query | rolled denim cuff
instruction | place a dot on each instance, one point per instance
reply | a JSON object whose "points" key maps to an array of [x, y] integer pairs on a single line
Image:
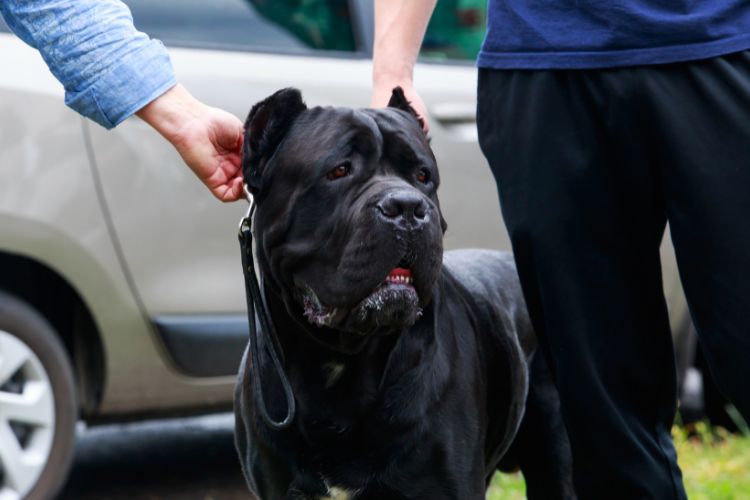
{"points": [[128, 85]]}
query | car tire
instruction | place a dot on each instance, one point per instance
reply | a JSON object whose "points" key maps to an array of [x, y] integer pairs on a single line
{"points": [[38, 404]]}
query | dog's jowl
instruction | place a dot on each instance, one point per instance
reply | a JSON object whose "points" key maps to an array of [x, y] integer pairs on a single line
{"points": [[414, 373]]}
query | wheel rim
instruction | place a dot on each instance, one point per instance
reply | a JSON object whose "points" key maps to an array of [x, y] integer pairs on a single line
{"points": [[27, 417]]}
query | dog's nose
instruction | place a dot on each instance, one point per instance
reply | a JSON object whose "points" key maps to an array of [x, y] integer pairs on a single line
{"points": [[407, 205]]}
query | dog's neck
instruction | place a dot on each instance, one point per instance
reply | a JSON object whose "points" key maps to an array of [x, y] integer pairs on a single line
{"points": [[328, 382], [297, 337]]}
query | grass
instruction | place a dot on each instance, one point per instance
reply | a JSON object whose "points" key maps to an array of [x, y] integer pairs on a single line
{"points": [[507, 487], [715, 466]]}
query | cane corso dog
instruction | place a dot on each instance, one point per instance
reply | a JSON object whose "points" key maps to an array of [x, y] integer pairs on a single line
{"points": [[411, 369]]}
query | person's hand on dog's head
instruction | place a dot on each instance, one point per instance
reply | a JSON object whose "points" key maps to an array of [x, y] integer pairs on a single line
{"points": [[208, 139], [382, 93]]}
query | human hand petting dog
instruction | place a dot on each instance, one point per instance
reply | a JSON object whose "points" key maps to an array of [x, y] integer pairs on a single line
{"points": [[208, 139], [382, 92], [399, 29]]}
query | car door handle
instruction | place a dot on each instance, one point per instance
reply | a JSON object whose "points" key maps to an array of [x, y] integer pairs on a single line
{"points": [[452, 113], [457, 118]]}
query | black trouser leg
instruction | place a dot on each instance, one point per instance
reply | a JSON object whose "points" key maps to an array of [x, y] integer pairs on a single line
{"points": [[582, 201], [702, 115]]}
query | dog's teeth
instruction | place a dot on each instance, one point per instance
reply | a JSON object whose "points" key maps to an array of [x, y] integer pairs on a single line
{"points": [[404, 280]]}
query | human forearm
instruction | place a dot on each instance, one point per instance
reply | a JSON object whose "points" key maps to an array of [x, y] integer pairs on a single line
{"points": [[169, 113], [399, 29]]}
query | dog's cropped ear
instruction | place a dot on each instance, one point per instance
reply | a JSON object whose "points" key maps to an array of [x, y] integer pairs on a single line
{"points": [[265, 127], [399, 101]]}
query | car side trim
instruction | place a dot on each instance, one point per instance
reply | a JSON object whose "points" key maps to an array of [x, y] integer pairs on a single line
{"points": [[204, 345]]}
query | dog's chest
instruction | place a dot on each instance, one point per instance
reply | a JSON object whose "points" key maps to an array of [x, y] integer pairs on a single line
{"points": [[337, 493]]}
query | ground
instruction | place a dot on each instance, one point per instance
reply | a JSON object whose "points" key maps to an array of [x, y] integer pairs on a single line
{"points": [[194, 459]]}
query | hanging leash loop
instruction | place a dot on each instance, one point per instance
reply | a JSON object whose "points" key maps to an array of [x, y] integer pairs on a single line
{"points": [[262, 336]]}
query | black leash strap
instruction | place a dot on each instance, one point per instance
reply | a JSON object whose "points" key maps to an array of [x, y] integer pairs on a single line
{"points": [[269, 340]]}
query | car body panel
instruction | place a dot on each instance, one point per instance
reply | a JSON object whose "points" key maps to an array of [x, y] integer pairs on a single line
{"points": [[50, 212]]}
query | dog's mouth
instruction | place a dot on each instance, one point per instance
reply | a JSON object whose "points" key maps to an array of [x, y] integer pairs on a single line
{"points": [[399, 276], [392, 302]]}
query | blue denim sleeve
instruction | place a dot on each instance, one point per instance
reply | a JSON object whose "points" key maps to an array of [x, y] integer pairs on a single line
{"points": [[108, 68]]}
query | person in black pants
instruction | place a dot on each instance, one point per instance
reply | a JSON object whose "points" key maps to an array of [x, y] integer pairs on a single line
{"points": [[601, 121]]}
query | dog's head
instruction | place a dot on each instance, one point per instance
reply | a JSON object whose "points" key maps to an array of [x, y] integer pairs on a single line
{"points": [[348, 226]]}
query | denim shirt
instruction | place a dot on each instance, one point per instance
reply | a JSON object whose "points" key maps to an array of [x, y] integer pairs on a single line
{"points": [[109, 69]]}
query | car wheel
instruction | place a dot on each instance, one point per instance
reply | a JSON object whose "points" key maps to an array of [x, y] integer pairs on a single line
{"points": [[38, 410]]}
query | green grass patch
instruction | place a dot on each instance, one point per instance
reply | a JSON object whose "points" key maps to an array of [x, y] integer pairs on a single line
{"points": [[507, 487], [715, 466]]}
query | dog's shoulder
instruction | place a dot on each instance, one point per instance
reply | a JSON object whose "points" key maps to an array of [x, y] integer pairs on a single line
{"points": [[491, 284], [484, 271]]}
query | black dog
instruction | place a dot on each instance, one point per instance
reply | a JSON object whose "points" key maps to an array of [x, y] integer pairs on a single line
{"points": [[410, 371]]}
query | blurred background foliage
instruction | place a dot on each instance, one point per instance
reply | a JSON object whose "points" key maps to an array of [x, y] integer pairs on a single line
{"points": [[456, 29], [319, 24]]}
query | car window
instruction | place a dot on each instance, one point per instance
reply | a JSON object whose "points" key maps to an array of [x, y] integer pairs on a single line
{"points": [[456, 30], [296, 26]]}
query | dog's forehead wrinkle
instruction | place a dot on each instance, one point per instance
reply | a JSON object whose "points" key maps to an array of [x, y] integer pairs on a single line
{"points": [[402, 154], [372, 125], [401, 125], [395, 123], [392, 142], [325, 125]]}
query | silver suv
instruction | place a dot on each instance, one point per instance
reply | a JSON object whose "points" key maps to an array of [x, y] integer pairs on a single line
{"points": [[121, 292]]}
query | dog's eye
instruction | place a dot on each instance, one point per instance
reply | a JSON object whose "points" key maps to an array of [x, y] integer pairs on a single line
{"points": [[339, 172], [423, 176]]}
